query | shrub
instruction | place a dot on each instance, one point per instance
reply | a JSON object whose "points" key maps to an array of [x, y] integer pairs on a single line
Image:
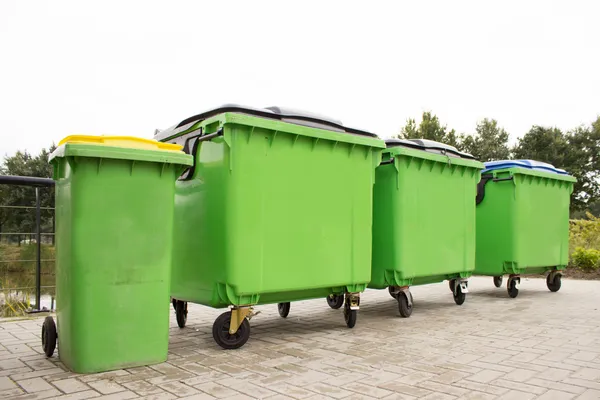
{"points": [[586, 259], [584, 243]]}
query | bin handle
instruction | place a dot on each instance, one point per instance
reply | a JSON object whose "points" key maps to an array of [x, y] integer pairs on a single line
{"points": [[484, 180], [197, 140], [390, 161]]}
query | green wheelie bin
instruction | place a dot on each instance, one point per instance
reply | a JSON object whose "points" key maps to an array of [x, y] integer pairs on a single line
{"points": [[423, 219], [523, 222], [276, 208], [114, 223]]}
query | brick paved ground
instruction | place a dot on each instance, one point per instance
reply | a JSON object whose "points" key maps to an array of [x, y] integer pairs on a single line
{"points": [[541, 345]]}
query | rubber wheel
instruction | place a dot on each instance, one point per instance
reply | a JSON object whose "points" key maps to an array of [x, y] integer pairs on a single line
{"points": [[350, 316], [284, 309], [405, 309], [174, 302], [554, 285], [222, 336], [459, 296], [451, 285], [49, 336], [391, 291], [511, 287], [335, 301], [181, 313], [498, 281]]}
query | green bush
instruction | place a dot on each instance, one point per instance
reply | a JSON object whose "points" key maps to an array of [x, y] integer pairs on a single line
{"points": [[586, 259], [584, 243]]}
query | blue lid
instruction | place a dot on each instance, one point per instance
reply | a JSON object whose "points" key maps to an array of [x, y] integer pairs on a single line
{"points": [[528, 164]]}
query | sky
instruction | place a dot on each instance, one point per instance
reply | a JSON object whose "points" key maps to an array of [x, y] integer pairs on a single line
{"points": [[128, 67]]}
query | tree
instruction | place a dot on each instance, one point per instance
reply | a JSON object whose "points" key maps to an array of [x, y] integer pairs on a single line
{"points": [[489, 143], [429, 128], [584, 163], [543, 144], [24, 164], [576, 151]]}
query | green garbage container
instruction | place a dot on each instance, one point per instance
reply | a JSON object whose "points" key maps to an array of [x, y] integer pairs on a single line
{"points": [[114, 223], [276, 208], [423, 219], [523, 222]]}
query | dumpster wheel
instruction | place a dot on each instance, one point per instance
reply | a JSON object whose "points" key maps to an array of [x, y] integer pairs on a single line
{"points": [[181, 312], [351, 305], [350, 316], [392, 292], [283, 309], [405, 303], [513, 287], [335, 301], [49, 336], [498, 281], [459, 295], [553, 281], [226, 340], [451, 285]]}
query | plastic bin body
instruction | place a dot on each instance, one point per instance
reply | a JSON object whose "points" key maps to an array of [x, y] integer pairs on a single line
{"points": [[423, 218], [523, 221], [114, 232], [272, 212]]}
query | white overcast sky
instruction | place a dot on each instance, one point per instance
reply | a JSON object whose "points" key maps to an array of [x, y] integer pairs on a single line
{"points": [[127, 67]]}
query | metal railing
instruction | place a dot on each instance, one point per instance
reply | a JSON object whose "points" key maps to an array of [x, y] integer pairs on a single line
{"points": [[37, 183]]}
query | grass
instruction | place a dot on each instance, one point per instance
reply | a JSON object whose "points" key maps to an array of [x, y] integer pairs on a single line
{"points": [[11, 257]]}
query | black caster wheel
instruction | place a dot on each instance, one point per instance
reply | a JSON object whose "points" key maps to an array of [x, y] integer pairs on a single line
{"points": [[284, 309], [391, 291], [451, 283], [335, 301], [403, 306], [498, 281], [49, 336], [225, 339], [350, 316], [181, 312], [174, 302], [554, 284], [459, 296], [511, 287]]}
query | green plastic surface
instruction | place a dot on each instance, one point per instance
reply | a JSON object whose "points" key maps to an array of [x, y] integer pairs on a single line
{"points": [[523, 223], [423, 218], [114, 232], [274, 212]]}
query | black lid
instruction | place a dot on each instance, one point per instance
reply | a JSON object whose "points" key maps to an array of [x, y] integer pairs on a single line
{"points": [[283, 114], [429, 146]]}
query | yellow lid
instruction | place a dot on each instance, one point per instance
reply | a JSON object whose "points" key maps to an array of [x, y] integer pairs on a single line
{"points": [[122, 141]]}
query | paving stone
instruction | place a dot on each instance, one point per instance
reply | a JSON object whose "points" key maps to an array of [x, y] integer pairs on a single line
{"points": [[588, 374], [556, 395], [179, 389], [86, 394], [46, 394], [560, 386], [8, 393], [590, 394], [106, 386], [216, 390], [34, 385], [550, 349], [6, 384], [70, 385], [516, 395], [485, 376]]}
